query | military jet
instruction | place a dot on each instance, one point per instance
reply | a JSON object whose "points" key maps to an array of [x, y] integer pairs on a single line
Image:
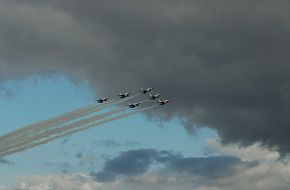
{"points": [[134, 104], [144, 91], [124, 95], [162, 102], [153, 97], [101, 100]]}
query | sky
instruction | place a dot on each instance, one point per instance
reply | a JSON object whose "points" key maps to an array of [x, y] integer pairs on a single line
{"points": [[45, 97], [224, 66]]}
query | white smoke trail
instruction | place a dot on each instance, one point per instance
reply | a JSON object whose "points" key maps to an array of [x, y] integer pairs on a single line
{"points": [[69, 132], [56, 121], [41, 134], [144, 101], [46, 121], [27, 137], [53, 121], [9, 138]]}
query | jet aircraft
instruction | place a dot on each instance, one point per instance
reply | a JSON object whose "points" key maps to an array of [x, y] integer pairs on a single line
{"points": [[124, 95], [162, 102], [134, 104], [144, 91], [153, 97], [101, 100]]}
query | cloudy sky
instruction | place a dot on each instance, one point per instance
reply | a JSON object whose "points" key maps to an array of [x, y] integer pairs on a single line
{"points": [[224, 64]]}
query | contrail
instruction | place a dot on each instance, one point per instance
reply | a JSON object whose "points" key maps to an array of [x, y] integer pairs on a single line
{"points": [[27, 136], [53, 121], [50, 123], [46, 121], [41, 134], [144, 101], [69, 132], [44, 141]]}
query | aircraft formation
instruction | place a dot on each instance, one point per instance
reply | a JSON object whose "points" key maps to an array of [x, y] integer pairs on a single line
{"points": [[78, 120], [142, 91]]}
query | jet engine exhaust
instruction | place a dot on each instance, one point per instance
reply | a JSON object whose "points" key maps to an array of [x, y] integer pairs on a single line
{"points": [[70, 129]]}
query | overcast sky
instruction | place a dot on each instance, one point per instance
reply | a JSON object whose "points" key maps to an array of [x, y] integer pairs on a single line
{"points": [[224, 64]]}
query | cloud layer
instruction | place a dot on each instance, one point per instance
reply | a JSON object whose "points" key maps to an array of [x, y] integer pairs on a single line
{"points": [[154, 169], [137, 162], [224, 64]]}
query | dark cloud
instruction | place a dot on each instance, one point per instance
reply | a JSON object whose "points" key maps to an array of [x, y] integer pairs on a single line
{"points": [[104, 176], [4, 161], [130, 163], [137, 162], [6, 93], [224, 64], [209, 167]]}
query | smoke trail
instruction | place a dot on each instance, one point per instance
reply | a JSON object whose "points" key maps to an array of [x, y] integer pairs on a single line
{"points": [[44, 141], [26, 138], [87, 112], [53, 121], [61, 119], [144, 101], [46, 121], [9, 138], [38, 135], [74, 130]]}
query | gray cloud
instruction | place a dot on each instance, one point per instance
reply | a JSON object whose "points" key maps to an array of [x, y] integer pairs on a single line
{"points": [[224, 64], [6, 93], [210, 167], [137, 162], [172, 171], [4, 161], [129, 163]]}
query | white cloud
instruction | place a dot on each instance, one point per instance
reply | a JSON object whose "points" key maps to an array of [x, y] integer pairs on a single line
{"points": [[59, 181], [268, 175], [271, 173], [250, 153]]}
